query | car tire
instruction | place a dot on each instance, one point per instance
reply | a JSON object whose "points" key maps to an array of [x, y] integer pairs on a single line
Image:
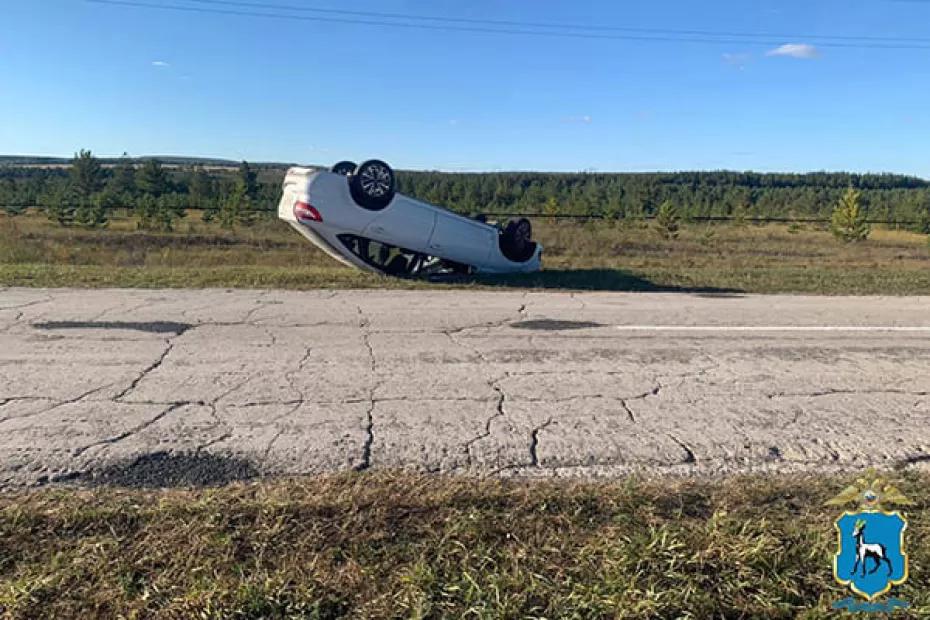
{"points": [[517, 240], [373, 185], [523, 232], [345, 168]]}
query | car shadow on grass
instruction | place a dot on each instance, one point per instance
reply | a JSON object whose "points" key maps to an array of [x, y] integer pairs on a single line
{"points": [[596, 280]]}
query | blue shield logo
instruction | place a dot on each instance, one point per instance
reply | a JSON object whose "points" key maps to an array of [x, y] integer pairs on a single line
{"points": [[871, 555]]}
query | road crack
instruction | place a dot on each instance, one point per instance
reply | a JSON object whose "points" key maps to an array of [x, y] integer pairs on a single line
{"points": [[690, 457], [498, 413], [365, 326], [58, 403], [629, 412], [118, 438], [152, 367], [831, 392], [534, 442]]}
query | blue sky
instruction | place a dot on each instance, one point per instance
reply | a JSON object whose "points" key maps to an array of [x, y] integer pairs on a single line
{"points": [[76, 74]]}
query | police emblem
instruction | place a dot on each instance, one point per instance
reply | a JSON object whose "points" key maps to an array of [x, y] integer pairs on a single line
{"points": [[870, 556]]}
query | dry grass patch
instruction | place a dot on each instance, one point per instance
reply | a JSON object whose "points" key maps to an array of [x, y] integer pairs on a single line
{"points": [[593, 255]]}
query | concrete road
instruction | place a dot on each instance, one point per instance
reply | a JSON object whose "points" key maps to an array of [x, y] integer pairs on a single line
{"points": [[175, 387]]}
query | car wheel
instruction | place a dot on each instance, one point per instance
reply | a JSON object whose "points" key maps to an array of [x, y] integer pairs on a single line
{"points": [[373, 185], [345, 168], [522, 232], [516, 242]]}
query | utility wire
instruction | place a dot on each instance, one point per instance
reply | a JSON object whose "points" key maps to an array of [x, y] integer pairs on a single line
{"points": [[488, 30], [562, 26]]}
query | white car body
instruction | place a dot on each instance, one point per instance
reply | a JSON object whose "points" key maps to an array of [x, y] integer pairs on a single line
{"points": [[406, 223]]}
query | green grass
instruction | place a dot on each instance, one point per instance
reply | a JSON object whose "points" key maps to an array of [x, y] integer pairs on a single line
{"points": [[629, 256], [405, 546]]}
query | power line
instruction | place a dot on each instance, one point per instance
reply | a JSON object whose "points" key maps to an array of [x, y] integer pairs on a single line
{"points": [[679, 38], [563, 26]]}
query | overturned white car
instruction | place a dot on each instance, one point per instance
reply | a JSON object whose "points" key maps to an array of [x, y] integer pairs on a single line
{"points": [[354, 214]]}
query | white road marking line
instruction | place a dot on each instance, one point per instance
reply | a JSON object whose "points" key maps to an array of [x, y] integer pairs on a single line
{"points": [[773, 328]]}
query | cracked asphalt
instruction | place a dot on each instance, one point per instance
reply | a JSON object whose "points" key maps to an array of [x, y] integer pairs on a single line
{"points": [[187, 386]]}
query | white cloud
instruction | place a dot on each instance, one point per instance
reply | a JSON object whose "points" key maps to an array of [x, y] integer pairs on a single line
{"points": [[160, 63], [795, 50], [586, 119]]}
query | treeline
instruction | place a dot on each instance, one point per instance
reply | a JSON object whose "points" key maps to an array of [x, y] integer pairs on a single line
{"points": [[86, 191], [885, 197]]}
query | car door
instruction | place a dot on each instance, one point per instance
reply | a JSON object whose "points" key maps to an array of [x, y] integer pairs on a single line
{"points": [[461, 240], [405, 223]]}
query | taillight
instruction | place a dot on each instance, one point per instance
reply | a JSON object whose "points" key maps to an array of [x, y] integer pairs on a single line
{"points": [[305, 212]]}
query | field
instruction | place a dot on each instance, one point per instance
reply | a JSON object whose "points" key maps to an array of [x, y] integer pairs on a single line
{"points": [[394, 545], [752, 258]]}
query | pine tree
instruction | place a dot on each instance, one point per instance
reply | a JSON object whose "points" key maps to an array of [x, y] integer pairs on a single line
{"points": [[86, 180], [848, 222], [59, 206], [123, 181], [613, 210], [146, 210], [739, 214], [201, 188], [94, 214], [667, 220], [230, 212], [245, 203], [84, 215], [248, 180], [104, 202], [152, 179], [86, 176], [551, 208], [168, 210]]}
